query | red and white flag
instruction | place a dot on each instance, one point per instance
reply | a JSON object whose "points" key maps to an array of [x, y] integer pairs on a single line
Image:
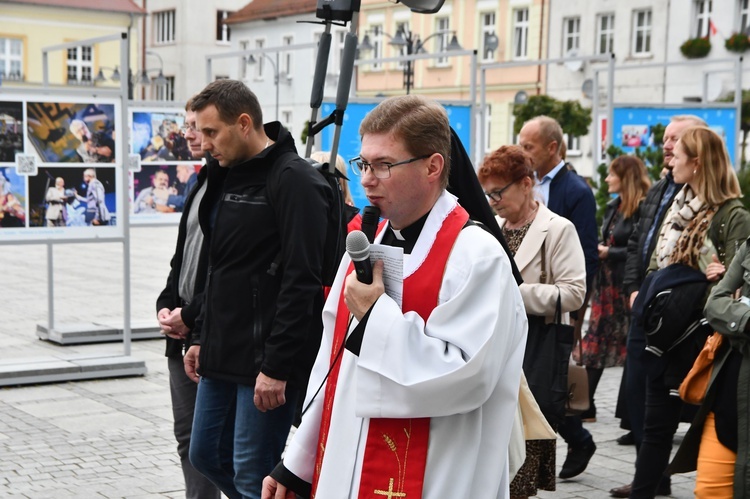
{"points": [[712, 27]]}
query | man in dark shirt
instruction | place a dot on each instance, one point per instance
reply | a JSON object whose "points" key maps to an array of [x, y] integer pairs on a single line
{"points": [[564, 192], [177, 308]]}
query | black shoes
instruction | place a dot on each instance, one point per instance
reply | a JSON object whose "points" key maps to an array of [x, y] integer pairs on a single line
{"points": [[589, 415], [664, 489], [626, 439], [577, 460]]}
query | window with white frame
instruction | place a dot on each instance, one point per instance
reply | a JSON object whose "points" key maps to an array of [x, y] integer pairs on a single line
{"points": [[403, 28], [11, 58], [80, 64], [571, 34], [222, 29], [286, 119], [488, 128], [164, 27], [488, 20], [744, 17], [442, 25], [260, 60], [572, 144], [166, 92], [286, 57], [377, 45], [703, 18], [520, 33], [642, 32], [605, 33]]}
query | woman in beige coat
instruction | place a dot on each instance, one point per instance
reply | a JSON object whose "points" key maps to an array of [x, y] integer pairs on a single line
{"points": [[531, 229]]}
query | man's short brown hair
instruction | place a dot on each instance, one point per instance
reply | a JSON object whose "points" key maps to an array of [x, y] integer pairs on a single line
{"points": [[231, 99], [421, 124]]}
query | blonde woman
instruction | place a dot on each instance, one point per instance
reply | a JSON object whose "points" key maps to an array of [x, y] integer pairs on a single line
{"points": [[702, 229]]}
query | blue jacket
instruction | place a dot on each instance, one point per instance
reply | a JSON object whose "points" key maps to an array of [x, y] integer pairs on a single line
{"points": [[572, 198]]}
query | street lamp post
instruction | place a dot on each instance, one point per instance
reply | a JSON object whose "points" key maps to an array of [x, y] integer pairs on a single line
{"points": [[252, 60], [413, 45], [141, 78]]}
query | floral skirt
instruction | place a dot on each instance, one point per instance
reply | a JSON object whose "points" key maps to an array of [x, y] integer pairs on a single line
{"points": [[605, 343]]}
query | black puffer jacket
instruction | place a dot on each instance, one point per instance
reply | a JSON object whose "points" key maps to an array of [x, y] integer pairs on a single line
{"points": [[253, 321], [635, 269]]}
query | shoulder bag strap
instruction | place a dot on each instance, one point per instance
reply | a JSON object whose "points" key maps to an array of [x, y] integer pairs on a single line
{"points": [[543, 275]]}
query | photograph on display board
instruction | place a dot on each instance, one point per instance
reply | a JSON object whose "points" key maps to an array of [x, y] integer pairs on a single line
{"points": [[157, 136], [12, 198], [163, 188], [11, 130], [72, 197], [72, 132]]}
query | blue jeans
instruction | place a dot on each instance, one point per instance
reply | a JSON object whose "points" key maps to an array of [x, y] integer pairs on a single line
{"points": [[234, 444], [573, 432]]}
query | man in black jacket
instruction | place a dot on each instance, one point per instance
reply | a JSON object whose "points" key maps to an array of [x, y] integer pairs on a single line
{"points": [[568, 195], [640, 248], [177, 308], [255, 325]]}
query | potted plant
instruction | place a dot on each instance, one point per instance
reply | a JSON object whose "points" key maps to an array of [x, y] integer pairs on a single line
{"points": [[695, 48], [738, 42]]}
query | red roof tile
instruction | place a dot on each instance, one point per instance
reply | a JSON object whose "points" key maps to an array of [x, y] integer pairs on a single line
{"points": [[271, 9], [125, 6]]}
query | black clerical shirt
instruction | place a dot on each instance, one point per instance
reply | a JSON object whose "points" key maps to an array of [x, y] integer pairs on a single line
{"points": [[406, 239]]}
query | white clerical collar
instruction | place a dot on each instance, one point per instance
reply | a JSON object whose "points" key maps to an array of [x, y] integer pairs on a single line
{"points": [[398, 235]]}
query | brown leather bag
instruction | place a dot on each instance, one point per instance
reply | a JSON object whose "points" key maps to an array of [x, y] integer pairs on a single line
{"points": [[695, 385], [578, 384]]}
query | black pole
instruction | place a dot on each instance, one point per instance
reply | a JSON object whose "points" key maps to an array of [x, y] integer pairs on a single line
{"points": [[409, 68]]}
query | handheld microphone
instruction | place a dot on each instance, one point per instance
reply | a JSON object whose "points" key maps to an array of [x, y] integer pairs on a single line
{"points": [[370, 219], [358, 248]]}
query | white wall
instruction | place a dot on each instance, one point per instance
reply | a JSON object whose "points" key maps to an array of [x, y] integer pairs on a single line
{"points": [[195, 32]]}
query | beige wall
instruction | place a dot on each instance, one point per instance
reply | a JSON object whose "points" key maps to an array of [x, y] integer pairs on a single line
{"points": [[41, 27]]}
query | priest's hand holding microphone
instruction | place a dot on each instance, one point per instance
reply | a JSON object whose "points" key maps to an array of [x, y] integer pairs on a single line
{"points": [[364, 286]]}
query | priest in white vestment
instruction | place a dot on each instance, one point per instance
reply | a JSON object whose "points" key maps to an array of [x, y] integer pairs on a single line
{"points": [[416, 401]]}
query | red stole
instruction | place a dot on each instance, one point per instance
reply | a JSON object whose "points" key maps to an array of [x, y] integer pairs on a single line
{"points": [[396, 449]]}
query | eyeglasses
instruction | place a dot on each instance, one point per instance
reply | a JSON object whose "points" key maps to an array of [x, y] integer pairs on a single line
{"points": [[188, 128], [380, 170], [497, 195]]}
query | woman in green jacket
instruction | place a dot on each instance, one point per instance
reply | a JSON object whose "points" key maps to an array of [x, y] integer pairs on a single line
{"points": [[711, 442]]}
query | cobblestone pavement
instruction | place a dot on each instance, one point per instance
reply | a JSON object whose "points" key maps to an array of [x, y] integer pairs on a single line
{"points": [[112, 438]]}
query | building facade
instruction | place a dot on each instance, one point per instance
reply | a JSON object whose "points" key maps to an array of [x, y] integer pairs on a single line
{"points": [[28, 26], [501, 31], [176, 37], [645, 37]]}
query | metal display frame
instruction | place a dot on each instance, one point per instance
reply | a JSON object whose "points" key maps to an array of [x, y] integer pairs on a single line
{"points": [[21, 371]]}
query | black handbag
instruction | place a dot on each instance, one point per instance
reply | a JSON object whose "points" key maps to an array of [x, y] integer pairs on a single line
{"points": [[546, 360]]}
